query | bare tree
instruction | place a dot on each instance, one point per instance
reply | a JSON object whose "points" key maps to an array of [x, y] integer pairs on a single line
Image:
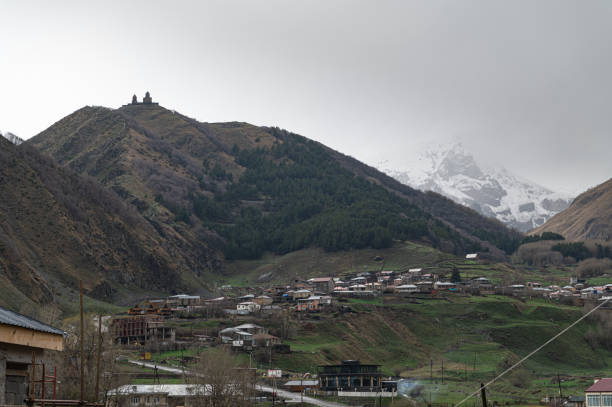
{"points": [[221, 381], [68, 364]]}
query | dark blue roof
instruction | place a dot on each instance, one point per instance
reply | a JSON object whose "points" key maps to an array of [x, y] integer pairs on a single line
{"points": [[12, 318]]}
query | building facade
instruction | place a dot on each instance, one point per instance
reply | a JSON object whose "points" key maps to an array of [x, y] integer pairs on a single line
{"points": [[350, 375], [599, 394], [141, 329], [21, 338]]}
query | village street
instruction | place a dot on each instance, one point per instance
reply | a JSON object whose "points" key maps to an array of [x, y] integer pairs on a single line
{"points": [[289, 396]]}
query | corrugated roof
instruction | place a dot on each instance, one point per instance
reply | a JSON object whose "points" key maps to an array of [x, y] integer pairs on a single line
{"points": [[302, 383], [172, 390], [601, 385], [12, 318]]}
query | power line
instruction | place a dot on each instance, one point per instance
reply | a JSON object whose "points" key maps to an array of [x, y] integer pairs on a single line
{"points": [[532, 353]]}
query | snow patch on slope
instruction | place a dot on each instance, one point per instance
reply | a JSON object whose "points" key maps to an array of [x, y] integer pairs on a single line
{"points": [[11, 137]]}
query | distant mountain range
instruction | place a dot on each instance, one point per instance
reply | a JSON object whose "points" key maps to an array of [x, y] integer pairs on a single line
{"points": [[11, 137], [492, 191], [588, 217]]}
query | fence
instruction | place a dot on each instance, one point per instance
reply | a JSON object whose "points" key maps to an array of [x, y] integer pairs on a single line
{"points": [[367, 394]]}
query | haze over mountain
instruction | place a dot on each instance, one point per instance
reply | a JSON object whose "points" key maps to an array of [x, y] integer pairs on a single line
{"points": [[245, 190], [394, 73], [452, 171], [588, 217]]}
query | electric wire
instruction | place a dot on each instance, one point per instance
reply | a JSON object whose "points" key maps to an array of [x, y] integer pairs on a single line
{"points": [[532, 353]]}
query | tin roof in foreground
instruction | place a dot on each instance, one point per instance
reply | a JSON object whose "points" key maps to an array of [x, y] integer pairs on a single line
{"points": [[8, 317]]}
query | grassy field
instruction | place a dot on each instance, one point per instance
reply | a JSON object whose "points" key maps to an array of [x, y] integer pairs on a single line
{"points": [[308, 263], [273, 269], [466, 340], [447, 346]]}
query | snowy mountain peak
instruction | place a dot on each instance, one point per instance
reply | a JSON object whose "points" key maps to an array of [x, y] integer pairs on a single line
{"points": [[11, 137], [452, 170]]}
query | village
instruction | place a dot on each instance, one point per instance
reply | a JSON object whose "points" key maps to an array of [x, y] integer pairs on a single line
{"points": [[166, 336]]}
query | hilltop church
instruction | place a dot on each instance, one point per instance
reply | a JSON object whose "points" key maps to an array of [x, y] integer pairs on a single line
{"points": [[147, 100]]}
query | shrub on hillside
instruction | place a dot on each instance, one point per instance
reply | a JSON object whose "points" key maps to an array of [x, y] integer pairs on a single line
{"points": [[543, 236], [577, 250], [600, 335], [538, 254], [594, 267]]}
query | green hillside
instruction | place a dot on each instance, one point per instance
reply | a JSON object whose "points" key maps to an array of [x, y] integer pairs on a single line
{"points": [[57, 228], [247, 190], [474, 338]]}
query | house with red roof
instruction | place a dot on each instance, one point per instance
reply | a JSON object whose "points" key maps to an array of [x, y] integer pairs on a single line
{"points": [[600, 393]]}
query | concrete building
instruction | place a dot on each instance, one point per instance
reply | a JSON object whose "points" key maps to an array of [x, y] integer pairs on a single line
{"points": [[248, 307], [21, 338], [406, 288], [350, 375], [142, 329], [161, 395], [322, 284]]}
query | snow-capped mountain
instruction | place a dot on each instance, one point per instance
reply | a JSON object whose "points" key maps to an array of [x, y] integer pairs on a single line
{"points": [[11, 137], [494, 192]]}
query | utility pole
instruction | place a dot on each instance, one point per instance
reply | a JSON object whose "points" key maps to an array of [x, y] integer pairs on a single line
{"points": [[442, 371], [98, 356], [82, 344], [483, 394], [559, 381]]}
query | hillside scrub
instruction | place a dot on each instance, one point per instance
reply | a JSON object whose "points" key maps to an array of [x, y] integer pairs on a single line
{"points": [[577, 250], [309, 200], [261, 189], [538, 254], [594, 267], [599, 335], [543, 236], [551, 253]]}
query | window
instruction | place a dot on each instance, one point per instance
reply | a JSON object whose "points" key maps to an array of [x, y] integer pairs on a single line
{"points": [[148, 400], [606, 400], [156, 400], [593, 401], [135, 400]]}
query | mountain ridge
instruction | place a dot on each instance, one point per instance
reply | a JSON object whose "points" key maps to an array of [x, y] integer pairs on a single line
{"points": [[11, 137], [58, 227], [589, 217], [492, 191], [215, 182]]}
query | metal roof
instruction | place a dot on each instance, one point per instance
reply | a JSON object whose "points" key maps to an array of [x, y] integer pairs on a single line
{"points": [[302, 383], [601, 385], [172, 390], [12, 318]]}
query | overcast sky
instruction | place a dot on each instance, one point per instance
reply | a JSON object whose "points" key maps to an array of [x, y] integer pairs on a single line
{"points": [[526, 84]]}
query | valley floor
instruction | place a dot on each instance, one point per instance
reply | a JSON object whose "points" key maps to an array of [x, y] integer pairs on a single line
{"points": [[445, 347]]}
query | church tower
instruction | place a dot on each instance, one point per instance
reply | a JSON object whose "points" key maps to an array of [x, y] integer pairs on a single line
{"points": [[134, 100], [147, 100]]}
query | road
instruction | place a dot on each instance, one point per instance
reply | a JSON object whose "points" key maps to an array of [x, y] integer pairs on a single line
{"points": [[287, 395], [296, 398], [159, 367]]}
